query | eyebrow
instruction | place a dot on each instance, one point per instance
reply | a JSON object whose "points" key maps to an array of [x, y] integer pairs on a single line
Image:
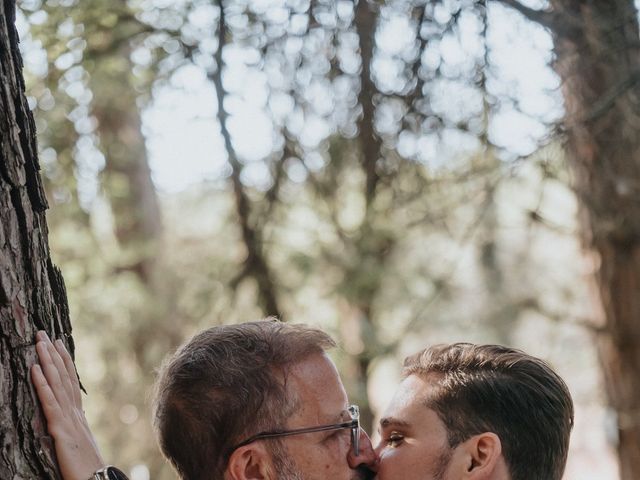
{"points": [[341, 417], [393, 422]]}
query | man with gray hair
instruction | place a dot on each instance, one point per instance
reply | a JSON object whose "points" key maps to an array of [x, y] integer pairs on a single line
{"points": [[237, 402]]}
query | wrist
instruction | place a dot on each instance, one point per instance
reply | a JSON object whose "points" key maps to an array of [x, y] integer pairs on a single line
{"points": [[108, 473]]}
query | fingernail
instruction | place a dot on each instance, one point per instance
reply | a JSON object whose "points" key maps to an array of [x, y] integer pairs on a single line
{"points": [[59, 343]]}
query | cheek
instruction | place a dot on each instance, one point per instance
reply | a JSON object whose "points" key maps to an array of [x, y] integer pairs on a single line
{"points": [[335, 455], [388, 457], [337, 447], [329, 456], [395, 463]]}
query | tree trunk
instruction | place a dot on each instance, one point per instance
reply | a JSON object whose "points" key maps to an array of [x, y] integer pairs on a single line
{"points": [[32, 292], [256, 263], [370, 143], [128, 186], [598, 58], [127, 176]]}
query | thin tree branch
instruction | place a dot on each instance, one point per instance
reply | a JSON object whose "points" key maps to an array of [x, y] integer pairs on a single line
{"points": [[546, 18], [609, 98], [255, 264]]}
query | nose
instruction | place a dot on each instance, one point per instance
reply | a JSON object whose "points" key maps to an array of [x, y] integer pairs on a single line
{"points": [[367, 456]]}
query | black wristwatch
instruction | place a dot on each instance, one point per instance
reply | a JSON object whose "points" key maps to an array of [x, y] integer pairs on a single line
{"points": [[109, 473]]}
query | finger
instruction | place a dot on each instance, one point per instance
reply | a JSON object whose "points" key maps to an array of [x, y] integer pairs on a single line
{"points": [[48, 400], [71, 371], [62, 370], [52, 375]]}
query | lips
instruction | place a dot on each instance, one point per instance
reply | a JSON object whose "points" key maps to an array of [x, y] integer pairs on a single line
{"points": [[363, 473]]}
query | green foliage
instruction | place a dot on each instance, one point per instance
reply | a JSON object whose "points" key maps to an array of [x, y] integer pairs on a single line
{"points": [[451, 244]]}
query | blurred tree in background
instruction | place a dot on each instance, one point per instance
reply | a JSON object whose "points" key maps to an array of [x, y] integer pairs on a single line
{"points": [[384, 171]]}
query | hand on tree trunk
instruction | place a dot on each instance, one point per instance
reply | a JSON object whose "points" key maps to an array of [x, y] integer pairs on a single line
{"points": [[58, 389]]}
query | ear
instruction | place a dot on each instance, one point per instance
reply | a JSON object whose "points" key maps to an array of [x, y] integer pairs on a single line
{"points": [[251, 462], [483, 457]]}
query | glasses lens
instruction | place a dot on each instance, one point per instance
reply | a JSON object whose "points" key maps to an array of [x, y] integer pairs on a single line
{"points": [[354, 411]]}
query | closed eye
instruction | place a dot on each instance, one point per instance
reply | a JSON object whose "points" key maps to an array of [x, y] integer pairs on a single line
{"points": [[394, 440]]}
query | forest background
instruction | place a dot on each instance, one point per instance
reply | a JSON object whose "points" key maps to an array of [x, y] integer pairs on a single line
{"points": [[397, 173]]}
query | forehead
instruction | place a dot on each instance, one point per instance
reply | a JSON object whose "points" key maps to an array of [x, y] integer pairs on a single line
{"points": [[410, 397], [409, 406], [316, 384]]}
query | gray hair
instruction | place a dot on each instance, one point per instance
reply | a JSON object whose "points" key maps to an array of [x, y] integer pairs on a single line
{"points": [[227, 382]]}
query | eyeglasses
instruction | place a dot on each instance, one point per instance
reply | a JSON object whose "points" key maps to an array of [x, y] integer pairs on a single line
{"points": [[353, 424]]}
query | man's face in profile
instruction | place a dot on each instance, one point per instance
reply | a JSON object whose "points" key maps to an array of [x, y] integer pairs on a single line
{"points": [[322, 401], [413, 443]]}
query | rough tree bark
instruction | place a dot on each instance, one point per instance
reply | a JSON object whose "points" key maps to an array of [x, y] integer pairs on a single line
{"points": [[32, 292], [597, 47]]}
